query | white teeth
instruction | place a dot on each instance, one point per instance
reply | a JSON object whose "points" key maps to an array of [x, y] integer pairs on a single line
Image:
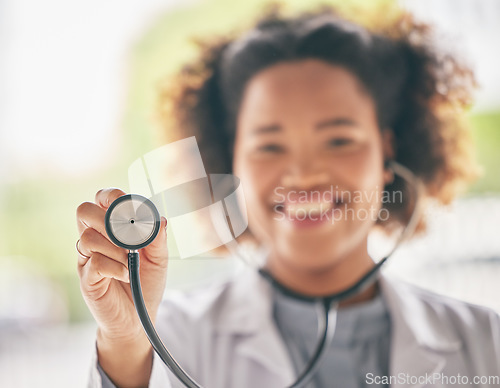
{"points": [[308, 208]]}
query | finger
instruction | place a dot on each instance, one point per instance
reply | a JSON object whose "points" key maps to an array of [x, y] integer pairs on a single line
{"points": [[100, 267], [105, 197], [91, 241], [89, 215], [157, 251], [82, 258]]}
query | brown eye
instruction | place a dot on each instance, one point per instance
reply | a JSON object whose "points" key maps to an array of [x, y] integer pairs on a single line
{"points": [[338, 142], [270, 148]]}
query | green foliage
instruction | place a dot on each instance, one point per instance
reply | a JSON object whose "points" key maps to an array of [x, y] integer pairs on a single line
{"points": [[41, 233], [486, 133], [168, 43], [40, 213]]}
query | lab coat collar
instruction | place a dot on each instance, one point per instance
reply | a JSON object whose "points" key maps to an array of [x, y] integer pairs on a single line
{"points": [[419, 339], [248, 312], [248, 304], [414, 319], [421, 343]]}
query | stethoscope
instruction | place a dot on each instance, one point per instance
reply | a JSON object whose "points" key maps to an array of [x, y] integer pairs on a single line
{"points": [[133, 221]]}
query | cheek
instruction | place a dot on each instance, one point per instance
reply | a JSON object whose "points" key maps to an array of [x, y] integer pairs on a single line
{"points": [[258, 181], [362, 170]]}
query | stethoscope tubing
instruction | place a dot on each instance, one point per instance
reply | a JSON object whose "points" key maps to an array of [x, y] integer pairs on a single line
{"points": [[327, 304], [149, 329], [326, 326]]}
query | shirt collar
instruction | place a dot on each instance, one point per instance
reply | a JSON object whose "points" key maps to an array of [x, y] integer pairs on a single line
{"points": [[418, 337], [355, 323], [248, 308]]}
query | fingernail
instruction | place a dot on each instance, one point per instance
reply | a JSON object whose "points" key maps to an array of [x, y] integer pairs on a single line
{"points": [[164, 222]]}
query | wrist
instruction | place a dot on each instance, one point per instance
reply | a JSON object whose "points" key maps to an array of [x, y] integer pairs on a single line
{"points": [[136, 340], [127, 361]]}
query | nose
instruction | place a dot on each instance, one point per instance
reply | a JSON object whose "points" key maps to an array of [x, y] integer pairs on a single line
{"points": [[304, 173]]}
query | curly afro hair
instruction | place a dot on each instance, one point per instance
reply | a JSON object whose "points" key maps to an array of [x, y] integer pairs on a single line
{"points": [[420, 92]]}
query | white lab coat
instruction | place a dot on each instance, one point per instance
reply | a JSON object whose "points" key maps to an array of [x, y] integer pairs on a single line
{"points": [[225, 337]]}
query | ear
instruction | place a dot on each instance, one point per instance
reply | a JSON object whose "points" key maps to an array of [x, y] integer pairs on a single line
{"points": [[389, 152], [388, 146]]}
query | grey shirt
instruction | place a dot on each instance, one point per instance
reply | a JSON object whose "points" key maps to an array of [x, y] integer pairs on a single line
{"points": [[360, 344]]}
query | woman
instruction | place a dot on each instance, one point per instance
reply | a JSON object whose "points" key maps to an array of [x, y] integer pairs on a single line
{"points": [[296, 107]]}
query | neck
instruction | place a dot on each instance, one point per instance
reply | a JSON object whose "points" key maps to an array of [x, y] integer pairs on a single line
{"points": [[326, 280]]}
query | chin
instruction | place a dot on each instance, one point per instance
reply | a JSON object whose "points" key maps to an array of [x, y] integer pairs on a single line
{"points": [[310, 255]]}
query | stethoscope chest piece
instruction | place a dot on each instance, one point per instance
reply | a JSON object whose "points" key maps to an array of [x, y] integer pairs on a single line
{"points": [[132, 222]]}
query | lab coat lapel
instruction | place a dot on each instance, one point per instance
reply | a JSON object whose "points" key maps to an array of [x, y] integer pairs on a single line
{"points": [[267, 348], [420, 345], [249, 315]]}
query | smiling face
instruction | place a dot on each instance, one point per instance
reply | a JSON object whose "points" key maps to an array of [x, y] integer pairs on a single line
{"points": [[310, 155]]}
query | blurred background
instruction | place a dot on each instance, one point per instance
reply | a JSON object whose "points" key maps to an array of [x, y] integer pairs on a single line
{"points": [[78, 83]]}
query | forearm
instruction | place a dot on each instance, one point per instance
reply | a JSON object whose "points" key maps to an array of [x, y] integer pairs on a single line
{"points": [[127, 363]]}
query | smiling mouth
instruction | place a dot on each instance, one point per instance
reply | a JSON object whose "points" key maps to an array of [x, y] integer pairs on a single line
{"points": [[308, 211], [301, 210]]}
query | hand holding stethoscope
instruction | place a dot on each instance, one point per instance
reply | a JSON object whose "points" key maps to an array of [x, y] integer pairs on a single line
{"points": [[104, 282], [132, 222]]}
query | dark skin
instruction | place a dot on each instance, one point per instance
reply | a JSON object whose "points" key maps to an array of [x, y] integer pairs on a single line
{"points": [[123, 350], [302, 126], [305, 127]]}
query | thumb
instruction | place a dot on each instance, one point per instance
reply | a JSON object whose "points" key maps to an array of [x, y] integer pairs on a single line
{"points": [[157, 251]]}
